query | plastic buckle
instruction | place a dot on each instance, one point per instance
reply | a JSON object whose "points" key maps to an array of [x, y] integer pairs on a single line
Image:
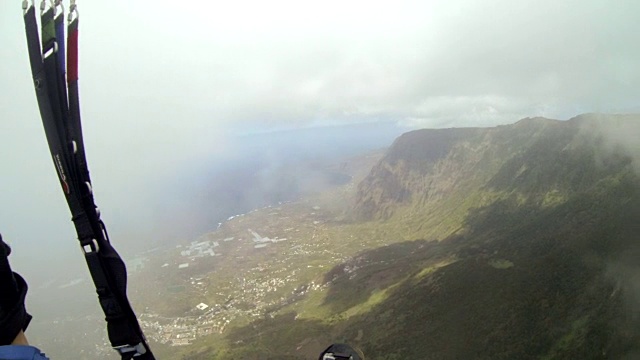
{"points": [[89, 247], [128, 349], [332, 356]]}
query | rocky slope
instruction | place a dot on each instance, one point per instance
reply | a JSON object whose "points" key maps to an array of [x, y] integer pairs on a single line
{"points": [[513, 242], [544, 251], [538, 160]]}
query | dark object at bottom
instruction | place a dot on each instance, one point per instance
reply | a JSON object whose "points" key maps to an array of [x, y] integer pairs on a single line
{"points": [[13, 290], [340, 352]]}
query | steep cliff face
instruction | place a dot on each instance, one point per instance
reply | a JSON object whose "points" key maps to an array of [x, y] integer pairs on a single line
{"points": [[535, 160], [536, 258], [538, 221]]}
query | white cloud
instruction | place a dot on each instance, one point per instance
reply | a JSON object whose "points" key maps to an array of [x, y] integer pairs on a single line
{"points": [[162, 83]]}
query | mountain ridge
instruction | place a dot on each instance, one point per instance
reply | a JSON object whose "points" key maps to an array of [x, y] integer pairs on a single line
{"points": [[534, 222], [424, 166], [513, 242]]}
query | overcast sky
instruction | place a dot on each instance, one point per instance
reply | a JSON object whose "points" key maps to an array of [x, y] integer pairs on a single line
{"points": [[165, 82]]}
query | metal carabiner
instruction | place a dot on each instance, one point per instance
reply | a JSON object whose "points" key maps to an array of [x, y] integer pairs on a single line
{"points": [[73, 9], [25, 6], [43, 6], [55, 4]]}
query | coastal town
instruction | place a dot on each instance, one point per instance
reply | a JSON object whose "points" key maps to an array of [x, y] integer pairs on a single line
{"points": [[251, 293]]}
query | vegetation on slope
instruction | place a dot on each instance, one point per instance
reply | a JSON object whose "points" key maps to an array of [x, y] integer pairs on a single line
{"points": [[515, 242]]}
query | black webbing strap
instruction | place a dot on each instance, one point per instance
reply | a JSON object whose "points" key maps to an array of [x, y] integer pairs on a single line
{"points": [[60, 112]]}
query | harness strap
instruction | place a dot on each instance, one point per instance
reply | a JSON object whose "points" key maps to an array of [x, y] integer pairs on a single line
{"points": [[58, 102]]}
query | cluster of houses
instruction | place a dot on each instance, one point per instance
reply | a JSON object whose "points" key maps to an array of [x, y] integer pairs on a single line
{"points": [[200, 249]]}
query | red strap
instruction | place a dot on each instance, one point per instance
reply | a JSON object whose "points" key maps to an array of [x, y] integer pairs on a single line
{"points": [[72, 56]]}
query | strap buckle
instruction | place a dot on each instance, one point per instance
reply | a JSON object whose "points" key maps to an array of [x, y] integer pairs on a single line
{"points": [[129, 351], [90, 246]]}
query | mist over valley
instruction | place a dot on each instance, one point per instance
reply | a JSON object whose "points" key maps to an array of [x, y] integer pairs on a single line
{"points": [[445, 179], [520, 233]]}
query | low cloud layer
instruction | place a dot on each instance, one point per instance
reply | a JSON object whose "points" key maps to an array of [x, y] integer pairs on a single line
{"points": [[624, 137], [430, 63], [619, 133], [196, 68], [164, 84]]}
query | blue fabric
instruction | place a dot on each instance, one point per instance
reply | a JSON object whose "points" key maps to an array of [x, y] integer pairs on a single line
{"points": [[60, 40], [21, 352]]}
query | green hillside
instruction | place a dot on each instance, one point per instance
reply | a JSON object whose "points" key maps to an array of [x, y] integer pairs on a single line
{"points": [[513, 242]]}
